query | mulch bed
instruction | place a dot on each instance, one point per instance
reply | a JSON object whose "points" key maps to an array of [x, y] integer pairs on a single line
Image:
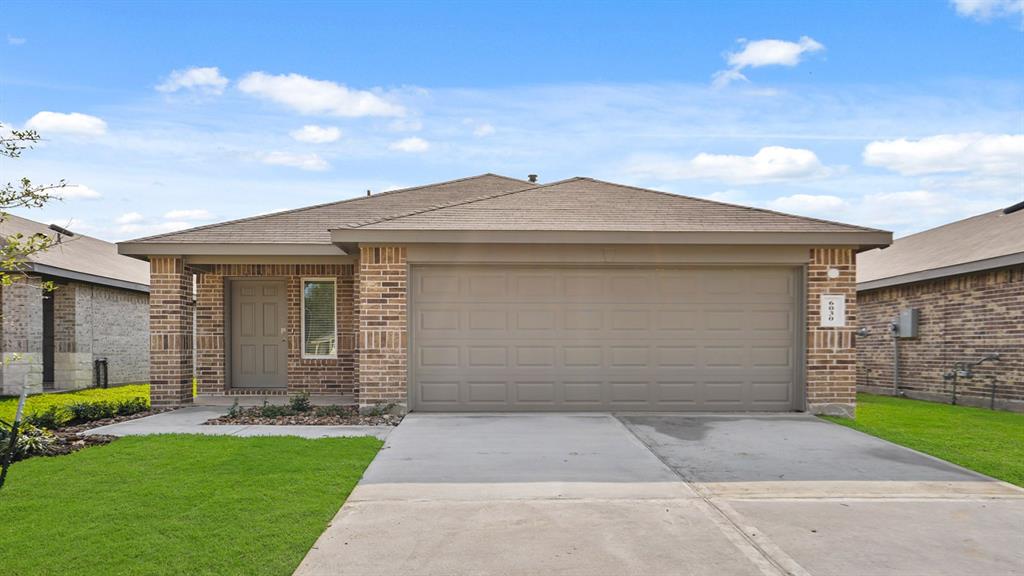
{"points": [[69, 439], [250, 416]]}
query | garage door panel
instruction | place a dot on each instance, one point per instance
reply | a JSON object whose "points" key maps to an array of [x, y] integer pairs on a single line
{"points": [[585, 339]]}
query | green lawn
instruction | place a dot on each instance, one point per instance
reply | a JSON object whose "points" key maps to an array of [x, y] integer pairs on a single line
{"points": [[983, 440], [40, 402], [177, 504]]}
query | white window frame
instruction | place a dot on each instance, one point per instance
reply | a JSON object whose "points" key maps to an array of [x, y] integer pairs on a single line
{"points": [[302, 319]]}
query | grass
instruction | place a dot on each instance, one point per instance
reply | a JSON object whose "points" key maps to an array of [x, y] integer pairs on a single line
{"points": [[985, 441], [177, 504], [40, 402]]}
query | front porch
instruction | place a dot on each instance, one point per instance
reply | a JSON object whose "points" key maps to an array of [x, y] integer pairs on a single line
{"points": [[263, 331]]}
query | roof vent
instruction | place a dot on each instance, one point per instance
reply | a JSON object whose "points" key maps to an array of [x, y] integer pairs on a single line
{"points": [[60, 230], [532, 178], [1016, 207], [367, 192]]}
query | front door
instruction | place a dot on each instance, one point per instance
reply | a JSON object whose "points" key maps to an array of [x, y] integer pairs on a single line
{"points": [[259, 334]]}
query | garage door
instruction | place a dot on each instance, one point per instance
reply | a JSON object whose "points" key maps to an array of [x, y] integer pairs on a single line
{"points": [[668, 339]]}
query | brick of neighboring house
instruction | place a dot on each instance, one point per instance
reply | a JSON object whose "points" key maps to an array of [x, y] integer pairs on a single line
{"points": [[333, 377], [170, 331], [383, 287], [831, 356], [962, 318]]}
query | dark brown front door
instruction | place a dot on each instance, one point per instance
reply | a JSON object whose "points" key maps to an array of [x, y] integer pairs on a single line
{"points": [[259, 334]]}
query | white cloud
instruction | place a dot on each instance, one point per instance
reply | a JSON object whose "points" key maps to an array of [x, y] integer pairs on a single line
{"points": [[413, 144], [405, 125], [758, 53], [15, 41], [60, 123], [76, 192], [483, 129], [309, 96], [303, 161], [810, 204], [316, 134], [208, 80], [197, 214], [985, 10], [129, 218], [771, 163], [974, 152]]}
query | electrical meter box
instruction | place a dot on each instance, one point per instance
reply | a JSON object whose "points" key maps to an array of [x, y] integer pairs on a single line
{"points": [[906, 323]]}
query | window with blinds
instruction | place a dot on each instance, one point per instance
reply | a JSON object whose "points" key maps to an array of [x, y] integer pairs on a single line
{"points": [[319, 319]]}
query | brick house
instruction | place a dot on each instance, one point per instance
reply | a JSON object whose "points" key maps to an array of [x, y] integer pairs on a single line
{"points": [[99, 310], [492, 293], [966, 280]]}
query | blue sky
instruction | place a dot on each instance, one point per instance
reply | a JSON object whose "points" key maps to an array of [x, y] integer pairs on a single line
{"points": [[167, 115]]}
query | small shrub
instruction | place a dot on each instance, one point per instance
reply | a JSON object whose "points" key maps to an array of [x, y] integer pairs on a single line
{"points": [[274, 411], [131, 406], [32, 441], [300, 402], [52, 418], [235, 411], [333, 410], [82, 412], [381, 409]]}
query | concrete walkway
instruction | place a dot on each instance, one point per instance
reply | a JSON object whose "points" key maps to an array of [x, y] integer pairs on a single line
{"points": [[190, 421], [596, 495]]}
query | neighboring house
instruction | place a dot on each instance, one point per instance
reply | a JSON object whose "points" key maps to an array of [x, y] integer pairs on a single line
{"points": [[497, 294], [100, 310], [966, 280]]}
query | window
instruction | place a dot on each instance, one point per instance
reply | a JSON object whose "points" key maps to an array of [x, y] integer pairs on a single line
{"points": [[319, 322]]}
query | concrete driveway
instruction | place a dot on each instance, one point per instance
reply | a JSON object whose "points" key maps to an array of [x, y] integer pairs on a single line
{"points": [[596, 494]]}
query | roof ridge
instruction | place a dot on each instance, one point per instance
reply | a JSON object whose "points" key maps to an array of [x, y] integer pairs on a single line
{"points": [[753, 208], [452, 204], [333, 203], [948, 224]]}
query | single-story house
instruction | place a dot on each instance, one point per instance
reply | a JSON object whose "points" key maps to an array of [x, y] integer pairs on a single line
{"points": [[963, 284], [92, 329], [491, 293]]}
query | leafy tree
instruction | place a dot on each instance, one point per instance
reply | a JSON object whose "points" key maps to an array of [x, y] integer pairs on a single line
{"points": [[16, 248]]}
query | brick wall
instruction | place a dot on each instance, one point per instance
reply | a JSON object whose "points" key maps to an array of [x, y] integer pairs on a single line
{"points": [[21, 310], [99, 322], [170, 331], [319, 376], [831, 356], [383, 331], [962, 318]]}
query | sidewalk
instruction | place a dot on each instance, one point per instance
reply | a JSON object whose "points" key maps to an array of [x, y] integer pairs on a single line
{"points": [[190, 421]]}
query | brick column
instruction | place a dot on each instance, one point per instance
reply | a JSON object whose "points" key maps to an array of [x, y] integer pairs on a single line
{"points": [[170, 332], [831, 355], [383, 326]]}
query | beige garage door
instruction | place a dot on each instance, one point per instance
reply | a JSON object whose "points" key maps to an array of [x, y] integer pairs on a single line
{"points": [[672, 339]]}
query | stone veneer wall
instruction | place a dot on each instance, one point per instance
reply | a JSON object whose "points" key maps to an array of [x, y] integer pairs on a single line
{"points": [[316, 376], [383, 332], [831, 356], [962, 318]]}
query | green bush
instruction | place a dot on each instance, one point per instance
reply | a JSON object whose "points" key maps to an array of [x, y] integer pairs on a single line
{"points": [[300, 402], [42, 402], [51, 418], [274, 411], [333, 410], [131, 406], [32, 441]]}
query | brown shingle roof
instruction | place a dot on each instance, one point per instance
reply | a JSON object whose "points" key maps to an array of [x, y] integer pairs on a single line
{"points": [[78, 254], [311, 225], [585, 204], [981, 239]]}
